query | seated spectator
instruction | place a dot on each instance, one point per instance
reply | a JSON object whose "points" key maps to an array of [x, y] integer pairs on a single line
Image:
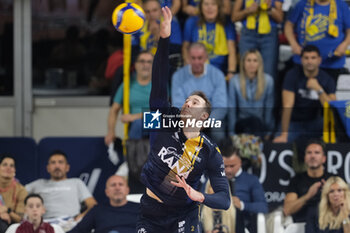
{"points": [[140, 89], [248, 195], [217, 34], [260, 21], [118, 215], [190, 7], [147, 38], [218, 221], [304, 191], [12, 193], [333, 214], [251, 97], [34, 211], [199, 76], [62, 196], [322, 23], [305, 89]]}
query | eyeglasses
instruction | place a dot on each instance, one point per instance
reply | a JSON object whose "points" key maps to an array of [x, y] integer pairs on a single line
{"points": [[145, 61]]}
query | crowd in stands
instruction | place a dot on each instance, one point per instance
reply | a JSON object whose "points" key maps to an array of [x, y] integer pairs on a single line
{"points": [[237, 70]]}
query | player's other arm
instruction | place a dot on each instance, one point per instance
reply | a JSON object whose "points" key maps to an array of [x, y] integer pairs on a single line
{"points": [[160, 67]]}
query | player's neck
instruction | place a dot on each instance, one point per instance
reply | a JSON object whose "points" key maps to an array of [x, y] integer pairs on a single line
{"points": [[315, 173], [191, 132]]}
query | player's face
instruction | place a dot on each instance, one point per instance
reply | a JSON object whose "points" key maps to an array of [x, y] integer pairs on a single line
{"points": [[143, 65], [7, 168], [336, 195], [34, 209], [116, 189], [210, 10], [58, 167], [197, 59], [251, 63], [232, 165], [314, 156], [152, 10], [194, 107], [310, 61]]}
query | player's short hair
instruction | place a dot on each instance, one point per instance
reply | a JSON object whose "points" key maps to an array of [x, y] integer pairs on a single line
{"points": [[58, 152], [310, 48], [317, 142], [6, 155], [33, 195], [205, 98], [197, 45], [227, 148]]}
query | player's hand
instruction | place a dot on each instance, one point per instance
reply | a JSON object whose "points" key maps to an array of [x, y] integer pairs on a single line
{"points": [[312, 83], [191, 193], [165, 26], [296, 49], [283, 138], [341, 49], [314, 189], [236, 202], [109, 138]]}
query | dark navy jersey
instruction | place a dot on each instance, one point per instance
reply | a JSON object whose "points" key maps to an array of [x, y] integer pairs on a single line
{"points": [[172, 153]]}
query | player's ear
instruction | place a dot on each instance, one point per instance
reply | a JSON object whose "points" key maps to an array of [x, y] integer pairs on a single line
{"points": [[204, 116]]}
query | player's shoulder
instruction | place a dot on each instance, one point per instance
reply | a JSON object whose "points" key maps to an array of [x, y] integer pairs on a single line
{"points": [[209, 143]]}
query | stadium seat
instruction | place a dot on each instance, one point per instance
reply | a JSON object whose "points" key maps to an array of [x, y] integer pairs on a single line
{"points": [[24, 150], [295, 228], [343, 87]]}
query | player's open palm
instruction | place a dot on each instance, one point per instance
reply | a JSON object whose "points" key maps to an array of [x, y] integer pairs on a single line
{"points": [[165, 26], [191, 193]]}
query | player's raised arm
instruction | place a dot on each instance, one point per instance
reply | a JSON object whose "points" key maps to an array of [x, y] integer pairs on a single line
{"points": [[160, 68]]}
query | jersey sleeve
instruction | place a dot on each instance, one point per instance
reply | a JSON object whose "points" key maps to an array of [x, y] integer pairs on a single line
{"points": [[216, 172], [160, 76]]}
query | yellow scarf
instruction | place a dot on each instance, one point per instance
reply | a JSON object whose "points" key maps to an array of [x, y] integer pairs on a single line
{"points": [[144, 39], [332, 28], [264, 26], [220, 42]]}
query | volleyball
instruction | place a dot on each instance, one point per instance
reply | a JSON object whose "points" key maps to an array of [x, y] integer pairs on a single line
{"points": [[128, 18]]}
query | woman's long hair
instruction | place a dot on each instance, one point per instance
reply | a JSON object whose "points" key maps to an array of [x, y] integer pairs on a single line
{"points": [[326, 216], [260, 75], [220, 18]]}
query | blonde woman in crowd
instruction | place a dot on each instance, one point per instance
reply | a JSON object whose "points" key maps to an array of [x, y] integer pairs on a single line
{"points": [[334, 209], [251, 97]]}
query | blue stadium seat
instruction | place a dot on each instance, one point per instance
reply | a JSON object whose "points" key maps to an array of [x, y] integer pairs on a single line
{"points": [[24, 151]]}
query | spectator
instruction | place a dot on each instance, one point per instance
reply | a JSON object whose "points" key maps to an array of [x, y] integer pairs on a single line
{"points": [[248, 195], [62, 195], [190, 7], [325, 24], [251, 97], [305, 89], [334, 209], [218, 221], [147, 38], [303, 193], [118, 215], [140, 89], [12, 193], [34, 211], [260, 20], [217, 34], [199, 76]]}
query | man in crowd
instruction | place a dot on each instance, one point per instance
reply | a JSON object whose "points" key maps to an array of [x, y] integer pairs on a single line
{"points": [[62, 196], [118, 215], [199, 76], [304, 191], [305, 89], [248, 194]]}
